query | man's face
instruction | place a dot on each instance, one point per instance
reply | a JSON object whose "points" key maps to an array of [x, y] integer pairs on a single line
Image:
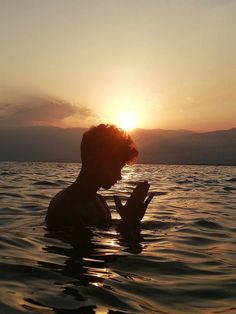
{"points": [[110, 173]]}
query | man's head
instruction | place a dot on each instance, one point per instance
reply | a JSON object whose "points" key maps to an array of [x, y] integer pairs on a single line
{"points": [[107, 149]]}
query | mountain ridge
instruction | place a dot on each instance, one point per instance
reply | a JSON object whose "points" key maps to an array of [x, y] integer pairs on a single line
{"points": [[49, 143]]}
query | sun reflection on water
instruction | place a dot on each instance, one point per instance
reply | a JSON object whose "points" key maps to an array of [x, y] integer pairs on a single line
{"points": [[183, 255]]}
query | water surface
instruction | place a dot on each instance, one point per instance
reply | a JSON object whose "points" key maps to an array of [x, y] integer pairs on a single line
{"points": [[182, 260]]}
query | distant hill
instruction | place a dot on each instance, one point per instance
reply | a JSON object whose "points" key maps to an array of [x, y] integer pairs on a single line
{"points": [[155, 146], [186, 147]]}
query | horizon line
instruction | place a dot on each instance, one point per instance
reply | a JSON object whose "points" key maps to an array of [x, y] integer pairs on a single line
{"points": [[128, 131]]}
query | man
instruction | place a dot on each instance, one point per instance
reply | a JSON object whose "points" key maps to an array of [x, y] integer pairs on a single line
{"points": [[105, 150]]}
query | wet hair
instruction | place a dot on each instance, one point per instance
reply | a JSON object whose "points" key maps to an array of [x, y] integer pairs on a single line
{"points": [[105, 142]]}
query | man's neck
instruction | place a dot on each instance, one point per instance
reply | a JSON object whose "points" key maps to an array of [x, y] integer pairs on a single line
{"points": [[86, 184]]}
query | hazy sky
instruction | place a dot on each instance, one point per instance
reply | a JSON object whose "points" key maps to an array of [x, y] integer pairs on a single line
{"points": [[171, 64]]}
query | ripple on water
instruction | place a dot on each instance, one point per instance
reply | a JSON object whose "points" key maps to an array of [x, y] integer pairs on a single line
{"points": [[10, 195], [206, 223], [181, 260], [46, 183], [41, 196], [231, 180], [197, 240], [229, 188]]}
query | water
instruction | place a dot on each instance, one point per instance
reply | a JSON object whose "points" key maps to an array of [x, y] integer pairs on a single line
{"points": [[183, 260]]}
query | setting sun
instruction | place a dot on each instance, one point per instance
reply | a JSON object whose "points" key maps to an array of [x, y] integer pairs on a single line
{"points": [[127, 121]]}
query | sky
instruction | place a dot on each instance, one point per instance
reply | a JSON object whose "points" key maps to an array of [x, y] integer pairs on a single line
{"points": [[158, 64]]}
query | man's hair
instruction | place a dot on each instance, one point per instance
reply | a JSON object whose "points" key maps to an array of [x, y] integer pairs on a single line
{"points": [[107, 141]]}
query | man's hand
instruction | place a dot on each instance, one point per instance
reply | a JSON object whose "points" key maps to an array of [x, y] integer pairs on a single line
{"points": [[134, 209]]}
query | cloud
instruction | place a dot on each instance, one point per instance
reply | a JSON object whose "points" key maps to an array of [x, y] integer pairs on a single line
{"points": [[39, 110]]}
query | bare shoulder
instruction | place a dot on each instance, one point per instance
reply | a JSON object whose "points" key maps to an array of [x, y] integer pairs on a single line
{"points": [[104, 209], [61, 209], [58, 200]]}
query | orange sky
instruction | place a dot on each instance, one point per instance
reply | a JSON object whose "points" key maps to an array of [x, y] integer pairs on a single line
{"points": [[170, 64]]}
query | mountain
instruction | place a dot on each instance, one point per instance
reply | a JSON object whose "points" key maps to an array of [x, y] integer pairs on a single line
{"points": [[186, 147], [40, 144], [155, 146]]}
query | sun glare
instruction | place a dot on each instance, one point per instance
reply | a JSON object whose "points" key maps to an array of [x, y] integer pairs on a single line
{"points": [[127, 121]]}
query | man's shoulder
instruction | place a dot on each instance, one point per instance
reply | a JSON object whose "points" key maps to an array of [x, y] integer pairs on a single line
{"points": [[59, 207], [59, 198]]}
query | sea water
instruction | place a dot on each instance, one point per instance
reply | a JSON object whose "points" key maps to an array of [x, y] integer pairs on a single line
{"points": [[182, 260]]}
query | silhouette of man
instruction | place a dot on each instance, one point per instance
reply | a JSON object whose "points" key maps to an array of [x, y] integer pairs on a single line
{"points": [[105, 150]]}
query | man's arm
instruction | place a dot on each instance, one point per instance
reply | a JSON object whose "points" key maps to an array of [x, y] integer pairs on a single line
{"points": [[106, 210]]}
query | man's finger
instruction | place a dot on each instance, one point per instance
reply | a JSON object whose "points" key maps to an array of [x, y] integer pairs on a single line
{"points": [[139, 194], [148, 200], [118, 203]]}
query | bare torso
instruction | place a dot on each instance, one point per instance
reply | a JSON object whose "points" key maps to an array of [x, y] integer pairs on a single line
{"points": [[69, 208]]}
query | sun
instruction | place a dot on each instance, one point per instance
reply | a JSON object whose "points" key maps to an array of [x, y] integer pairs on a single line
{"points": [[125, 116], [127, 121]]}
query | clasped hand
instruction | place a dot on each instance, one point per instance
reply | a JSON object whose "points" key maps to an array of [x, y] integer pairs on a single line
{"points": [[134, 209]]}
